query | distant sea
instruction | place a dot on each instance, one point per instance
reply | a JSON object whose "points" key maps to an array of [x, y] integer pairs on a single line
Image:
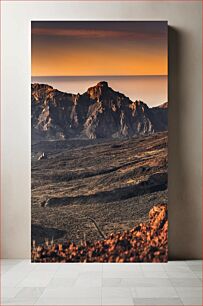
{"points": [[152, 90]]}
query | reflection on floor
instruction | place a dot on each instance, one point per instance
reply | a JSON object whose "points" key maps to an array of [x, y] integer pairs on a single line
{"points": [[173, 283]]}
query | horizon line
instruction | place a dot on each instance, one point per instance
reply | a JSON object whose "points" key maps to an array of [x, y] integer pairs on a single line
{"points": [[122, 75]]}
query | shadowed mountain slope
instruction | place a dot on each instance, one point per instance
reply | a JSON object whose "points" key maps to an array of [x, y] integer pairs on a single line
{"points": [[100, 112]]}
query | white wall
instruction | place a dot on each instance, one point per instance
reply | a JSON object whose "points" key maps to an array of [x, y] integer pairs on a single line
{"points": [[184, 19]]}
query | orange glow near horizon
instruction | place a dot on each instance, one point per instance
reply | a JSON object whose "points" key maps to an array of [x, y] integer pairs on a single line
{"points": [[95, 49]]}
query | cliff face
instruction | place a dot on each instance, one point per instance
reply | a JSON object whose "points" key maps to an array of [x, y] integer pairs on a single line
{"points": [[100, 112]]}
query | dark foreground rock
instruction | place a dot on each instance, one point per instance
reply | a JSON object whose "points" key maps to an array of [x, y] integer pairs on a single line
{"points": [[147, 242]]}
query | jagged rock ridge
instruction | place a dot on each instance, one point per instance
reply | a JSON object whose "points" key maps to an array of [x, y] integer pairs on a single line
{"points": [[100, 112]]}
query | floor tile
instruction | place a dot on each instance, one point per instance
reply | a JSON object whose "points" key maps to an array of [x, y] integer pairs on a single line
{"points": [[73, 292], [185, 282], [154, 274], [97, 267], [35, 279], [6, 268], [122, 274], [13, 262], [64, 274], [154, 292], [69, 301], [198, 274], [89, 279], [4, 301], [157, 301], [175, 263], [189, 291], [117, 301], [153, 267], [116, 292], [15, 275], [181, 274], [130, 269], [172, 283], [196, 268], [147, 282], [21, 301], [177, 268], [32, 292], [61, 282], [90, 275], [88, 282], [48, 267], [112, 282], [192, 301], [9, 292], [193, 262]]}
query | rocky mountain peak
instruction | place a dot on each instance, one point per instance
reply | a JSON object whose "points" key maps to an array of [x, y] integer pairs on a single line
{"points": [[141, 105], [37, 86], [103, 84], [100, 90], [164, 105], [100, 112]]}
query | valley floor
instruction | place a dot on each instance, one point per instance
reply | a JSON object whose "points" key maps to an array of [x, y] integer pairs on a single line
{"points": [[87, 189]]}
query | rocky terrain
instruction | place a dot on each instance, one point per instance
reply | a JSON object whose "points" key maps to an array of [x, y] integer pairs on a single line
{"points": [[100, 112], [88, 189], [99, 164], [147, 242]]}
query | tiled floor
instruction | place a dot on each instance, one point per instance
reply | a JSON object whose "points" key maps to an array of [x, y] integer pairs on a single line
{"points": [[174, 283]]}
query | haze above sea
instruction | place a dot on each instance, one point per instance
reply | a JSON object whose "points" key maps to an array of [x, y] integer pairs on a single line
{"points": [[153, 90]]}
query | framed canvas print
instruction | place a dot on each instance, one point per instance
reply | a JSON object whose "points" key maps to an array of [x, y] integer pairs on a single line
{"points": [[99, 110]]}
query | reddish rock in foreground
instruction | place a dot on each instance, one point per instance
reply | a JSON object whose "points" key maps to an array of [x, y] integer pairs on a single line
{"points": [[147, 242]]}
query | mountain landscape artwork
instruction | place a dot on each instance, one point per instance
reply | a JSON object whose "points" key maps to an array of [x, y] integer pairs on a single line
{"points": [[99, 130]]}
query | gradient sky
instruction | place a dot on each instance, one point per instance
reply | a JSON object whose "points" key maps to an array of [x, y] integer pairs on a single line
{"points": [[82, 48]]}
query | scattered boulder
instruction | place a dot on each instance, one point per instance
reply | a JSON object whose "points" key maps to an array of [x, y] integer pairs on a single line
{"points": [[42, 156], [55, 202]]}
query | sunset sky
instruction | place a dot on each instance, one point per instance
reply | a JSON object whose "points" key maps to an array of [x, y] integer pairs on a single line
{"points": [[99, 48]]}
